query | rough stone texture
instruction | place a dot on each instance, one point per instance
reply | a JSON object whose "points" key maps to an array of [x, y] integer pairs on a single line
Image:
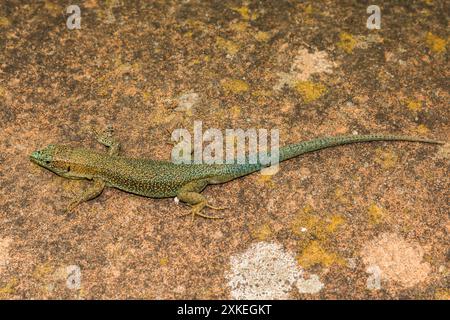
{"points": [[129, 65]]}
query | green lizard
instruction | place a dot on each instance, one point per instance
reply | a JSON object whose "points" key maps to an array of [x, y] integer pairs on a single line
{"points": [[163, 179]]}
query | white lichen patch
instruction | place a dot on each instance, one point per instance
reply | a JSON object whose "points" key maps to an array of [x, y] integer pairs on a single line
{"points": [[303, 66], [267, 271], [390, 257], [263, 271], [311, 285], [186, 101]]}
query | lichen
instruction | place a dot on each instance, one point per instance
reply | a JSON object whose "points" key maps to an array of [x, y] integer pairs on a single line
{"points": [[376, 214], [397, 259], [262, 36], [235, 86], [264, 271], [442, 294], [435, 43], [414, 105], [227, 45], [311, 285], [262, 232], [347, 42], [239, 26], [422, 129], [8, 289], [309, 91], [4, 22], [308, 223], [245, 13], [315, 254]]}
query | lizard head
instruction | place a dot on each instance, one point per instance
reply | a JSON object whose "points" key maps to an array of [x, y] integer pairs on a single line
{"points": [[55, 158]]}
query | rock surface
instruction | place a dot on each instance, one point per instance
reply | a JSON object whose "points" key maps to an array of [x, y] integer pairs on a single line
{"points": [[309, 69]]}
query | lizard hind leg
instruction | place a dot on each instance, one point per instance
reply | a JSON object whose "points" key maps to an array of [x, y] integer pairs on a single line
{"points": [[93, 191], [190, 193]]}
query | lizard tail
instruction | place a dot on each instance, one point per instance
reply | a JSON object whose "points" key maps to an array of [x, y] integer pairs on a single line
{"points": [[297, 149]]}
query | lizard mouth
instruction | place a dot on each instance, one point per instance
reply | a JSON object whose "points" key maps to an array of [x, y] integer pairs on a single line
{"points": [[36, 157]]}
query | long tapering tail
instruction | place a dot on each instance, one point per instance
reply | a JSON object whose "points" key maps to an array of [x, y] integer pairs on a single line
{"points": [[297, 149]]}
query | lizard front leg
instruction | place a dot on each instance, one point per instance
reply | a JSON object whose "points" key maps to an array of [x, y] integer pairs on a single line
{"points": [[93, 191], [106, 138], [190, 193]]}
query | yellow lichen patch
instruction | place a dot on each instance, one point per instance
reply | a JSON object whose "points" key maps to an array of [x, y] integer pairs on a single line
{"points": [[53, 8], [235, 86], [43, 270], [442, 294], [307, 222], [335, 221], [163, 261], [8, 289], [347, 42], [435, 43], [308, 9], [235, 111], [315, 254], [376, 214], [422, 129], [239, 26], [146, 96], [262, 232], [387, 159], [340, 196], [262, 93], [4, 22], [245, 13], [2, 92], [309, 91], [414, 105], [229, 46], [262, 36], [188, 34], [266, 180]]}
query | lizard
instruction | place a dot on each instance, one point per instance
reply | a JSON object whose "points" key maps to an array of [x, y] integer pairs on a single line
{"points": [[164, 179]]}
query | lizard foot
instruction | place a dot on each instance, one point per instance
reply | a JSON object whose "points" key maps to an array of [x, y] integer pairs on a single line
{"points": [[215, 208], [197, 208]]}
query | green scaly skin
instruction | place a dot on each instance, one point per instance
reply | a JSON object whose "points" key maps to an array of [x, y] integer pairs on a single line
{"points": [[162, 179]]}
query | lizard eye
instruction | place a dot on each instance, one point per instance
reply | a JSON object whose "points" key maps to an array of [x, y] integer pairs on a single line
{"points": [[47, 161]]}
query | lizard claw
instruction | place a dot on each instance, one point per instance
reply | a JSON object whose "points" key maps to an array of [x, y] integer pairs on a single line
{"points": [[196, 211], [216, 208]]}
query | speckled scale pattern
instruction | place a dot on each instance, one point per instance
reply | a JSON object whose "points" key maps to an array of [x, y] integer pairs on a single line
{"points": [[159, 179]]}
